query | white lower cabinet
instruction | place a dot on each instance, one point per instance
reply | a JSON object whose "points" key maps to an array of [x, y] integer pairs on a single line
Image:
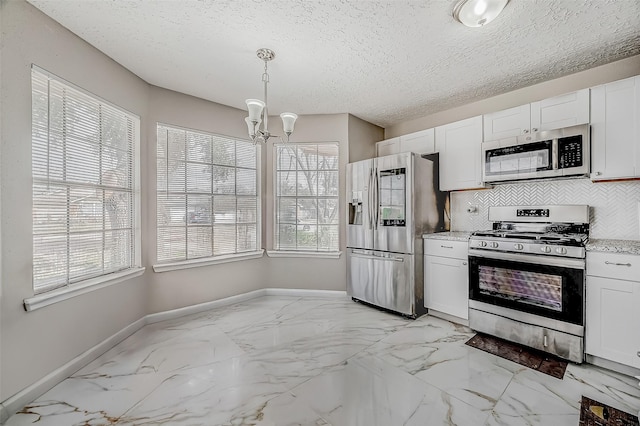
{"points": [[446, 277], [613, 308]]}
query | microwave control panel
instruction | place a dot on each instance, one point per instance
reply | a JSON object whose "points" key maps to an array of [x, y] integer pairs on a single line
{"points": [[570, 152]]}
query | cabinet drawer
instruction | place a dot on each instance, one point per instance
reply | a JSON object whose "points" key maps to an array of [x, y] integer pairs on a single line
{"points": [[446, 248], [614, 265]]}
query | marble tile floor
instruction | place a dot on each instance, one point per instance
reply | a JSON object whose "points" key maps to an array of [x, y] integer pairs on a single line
{"points": [[316, 361]]}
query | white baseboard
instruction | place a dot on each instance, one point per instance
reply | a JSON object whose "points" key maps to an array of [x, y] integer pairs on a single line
{"points": [[201, 307], [4, 414], [612, 365], [15, 403], [18, 401], [448, 317], [305, 293]]}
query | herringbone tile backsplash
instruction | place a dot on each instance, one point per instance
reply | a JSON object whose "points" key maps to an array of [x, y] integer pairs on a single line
{"points": [[614, 206]]}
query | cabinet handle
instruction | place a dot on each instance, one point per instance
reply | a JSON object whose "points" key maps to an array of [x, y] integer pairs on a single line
{"points": [[525, 131], [606, 262], [598, 173], [534, 129], [465, 263], [446, 246], [638, 353]]}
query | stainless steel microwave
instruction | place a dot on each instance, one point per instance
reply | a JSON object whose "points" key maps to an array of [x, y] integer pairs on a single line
{"points": [[550, 153]]}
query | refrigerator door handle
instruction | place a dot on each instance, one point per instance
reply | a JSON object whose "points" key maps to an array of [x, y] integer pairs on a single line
{"points": [[375, 197], [370, 256], [370, 199]]}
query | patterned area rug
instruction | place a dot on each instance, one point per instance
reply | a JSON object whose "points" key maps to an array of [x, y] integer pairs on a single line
{"points": [[593, 413], [534, 359]]}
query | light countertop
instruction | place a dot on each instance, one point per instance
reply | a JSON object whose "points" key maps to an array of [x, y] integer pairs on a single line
{"points": [[451, 236], [614, 246]]}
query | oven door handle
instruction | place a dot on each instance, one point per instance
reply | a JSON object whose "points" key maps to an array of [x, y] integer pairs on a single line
{"points": [[562, 262]]}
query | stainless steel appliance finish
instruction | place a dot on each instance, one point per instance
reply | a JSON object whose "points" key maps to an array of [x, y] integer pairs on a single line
{"points": [[391, 202], [526, 277], [551, 153]]}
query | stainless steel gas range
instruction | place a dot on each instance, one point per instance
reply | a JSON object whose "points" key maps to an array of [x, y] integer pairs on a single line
{"points": [[527, 275]]}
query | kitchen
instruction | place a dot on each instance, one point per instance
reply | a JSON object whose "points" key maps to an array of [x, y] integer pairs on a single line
{"points": [[154, 293]]}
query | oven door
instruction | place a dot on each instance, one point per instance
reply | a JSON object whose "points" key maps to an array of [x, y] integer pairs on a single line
{"points": [[547, 286]]}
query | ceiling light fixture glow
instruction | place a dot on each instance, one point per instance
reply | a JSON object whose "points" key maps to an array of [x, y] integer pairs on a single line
{"points": [[257, 121], [477, 13]]}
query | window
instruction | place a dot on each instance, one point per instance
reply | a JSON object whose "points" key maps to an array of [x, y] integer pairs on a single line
{"points": [[207, 200], [306, 197], [84, 153]]}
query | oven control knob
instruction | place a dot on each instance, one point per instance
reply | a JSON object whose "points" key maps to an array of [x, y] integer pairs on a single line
{"points": [[561, 250], [545, 249], [494, 244], [482, 243], [518, 246]]}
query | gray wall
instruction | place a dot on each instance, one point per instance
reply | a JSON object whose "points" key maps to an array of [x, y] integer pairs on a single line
{"points": [[176, 289], [362, 139], [311, 273], [36, 343]]}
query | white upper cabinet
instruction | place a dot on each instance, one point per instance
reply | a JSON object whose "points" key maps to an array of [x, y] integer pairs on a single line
{"points": [[459, 145], [422, 142], [560, 111], [507, 123], [388, 147], [615, 130], [554, 113]]}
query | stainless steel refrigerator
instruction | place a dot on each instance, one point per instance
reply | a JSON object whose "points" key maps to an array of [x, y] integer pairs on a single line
{"points": [[392, 201]]}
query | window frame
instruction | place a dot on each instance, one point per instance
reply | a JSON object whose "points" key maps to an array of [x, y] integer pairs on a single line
{"points": [[45, 296], [171, 265], [275, 251]]}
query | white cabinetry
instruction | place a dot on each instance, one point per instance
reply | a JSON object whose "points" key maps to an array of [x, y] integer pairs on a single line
{"points": [[553, 113], [446, 277], [422, 142], [459, 145], [613, 307], [615, 130], [388, 147]]}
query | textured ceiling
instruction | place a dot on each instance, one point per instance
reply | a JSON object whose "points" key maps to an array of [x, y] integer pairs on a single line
{"points": [[383, 61]]}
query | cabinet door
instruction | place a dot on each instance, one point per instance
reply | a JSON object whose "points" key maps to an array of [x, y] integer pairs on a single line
{"points": [[422, 142], [507, 123], [459, 145], [612, 320], [388, 147], [566, 110], [615, 130], [446, 283]]}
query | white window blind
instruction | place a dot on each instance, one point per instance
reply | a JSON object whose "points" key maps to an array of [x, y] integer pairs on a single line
{"points": [[207, 200], [83, 153], [306, 197]]}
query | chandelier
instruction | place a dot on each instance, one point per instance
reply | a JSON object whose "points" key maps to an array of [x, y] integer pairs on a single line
{"points": [[258, 119]]}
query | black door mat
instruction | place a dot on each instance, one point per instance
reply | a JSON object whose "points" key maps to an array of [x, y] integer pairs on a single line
{"points": [[594, 413], [534, 359]]}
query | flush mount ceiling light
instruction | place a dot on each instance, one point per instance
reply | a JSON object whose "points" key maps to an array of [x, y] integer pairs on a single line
{"points": [[257, 121], [477, 13]]}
